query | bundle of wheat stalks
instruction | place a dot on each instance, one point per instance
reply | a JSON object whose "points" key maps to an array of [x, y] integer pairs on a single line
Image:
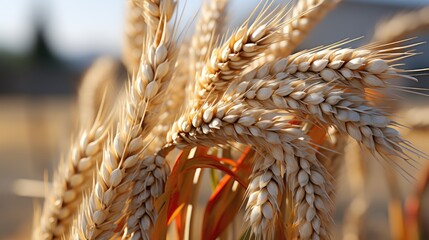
{"points": [[286, 116]]}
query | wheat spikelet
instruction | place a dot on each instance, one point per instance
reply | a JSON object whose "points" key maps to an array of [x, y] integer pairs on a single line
{"points": [[135, 30], [244, 45], [98, 218], [401, 25], [271, 131]]}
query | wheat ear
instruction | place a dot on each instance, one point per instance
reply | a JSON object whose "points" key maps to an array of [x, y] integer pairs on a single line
{"points": [[401, 25], [264, 195], [305, 15], [209, 25], [416, 117], [149, 186], [135, 30], [73, 177], [350, 113], [357, 68], [271, 131], [98, 79], [99, 216], [156, 13], [243, 46], [175, 102]]}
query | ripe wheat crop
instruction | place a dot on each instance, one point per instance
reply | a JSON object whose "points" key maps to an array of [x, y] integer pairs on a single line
{"points": [[268, 126]]}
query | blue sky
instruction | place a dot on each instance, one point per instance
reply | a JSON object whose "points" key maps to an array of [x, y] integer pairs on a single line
{"points": [[79, 27]]}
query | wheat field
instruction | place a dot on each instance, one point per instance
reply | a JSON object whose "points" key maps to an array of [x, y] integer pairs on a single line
{"points": [[225, 132]]}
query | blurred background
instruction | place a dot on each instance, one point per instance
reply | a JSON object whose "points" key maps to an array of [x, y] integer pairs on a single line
{"points": [[45, 47]]}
